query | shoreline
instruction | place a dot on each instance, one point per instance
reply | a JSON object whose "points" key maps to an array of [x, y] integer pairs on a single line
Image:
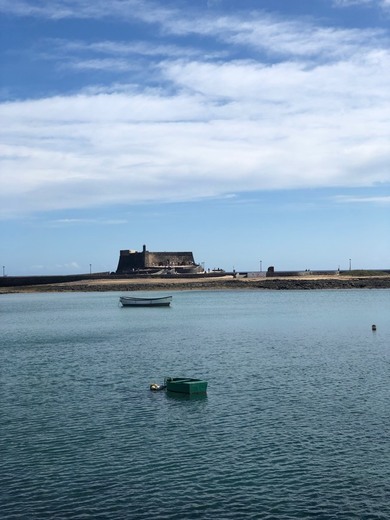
{"points": [[219, 283]]}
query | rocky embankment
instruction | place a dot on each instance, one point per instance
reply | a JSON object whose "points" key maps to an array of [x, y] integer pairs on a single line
{"points": [[224, 283]]}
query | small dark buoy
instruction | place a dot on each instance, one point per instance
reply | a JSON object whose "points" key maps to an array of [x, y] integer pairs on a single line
{"points": [[373, 327]]}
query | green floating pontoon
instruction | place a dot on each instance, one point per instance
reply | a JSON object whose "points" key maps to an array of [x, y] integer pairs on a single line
{"points": [[186, 385]]}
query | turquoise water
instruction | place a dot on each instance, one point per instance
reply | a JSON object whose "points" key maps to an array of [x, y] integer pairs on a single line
{"points": [[296, 422]]}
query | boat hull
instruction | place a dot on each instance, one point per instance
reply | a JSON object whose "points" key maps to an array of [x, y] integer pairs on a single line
{"points": [[186, 385], [129, 301]]}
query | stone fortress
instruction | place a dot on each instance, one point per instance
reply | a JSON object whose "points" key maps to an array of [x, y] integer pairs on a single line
{"points": [[157, 263]]}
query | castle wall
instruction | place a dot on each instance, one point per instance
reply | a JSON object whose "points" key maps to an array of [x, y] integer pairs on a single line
{"points": [[169, 259], [130, 261]]}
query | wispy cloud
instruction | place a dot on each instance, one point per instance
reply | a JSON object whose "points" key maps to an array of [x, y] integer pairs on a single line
{"points": [[351, 199], [87, 221], [62, 9], [193, 125], [119, 56], [257, 31], [382, 4], [60, 48], [69, 266]]}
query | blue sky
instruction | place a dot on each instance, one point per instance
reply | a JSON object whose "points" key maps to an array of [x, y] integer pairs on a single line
{"points": [[245, 131]]}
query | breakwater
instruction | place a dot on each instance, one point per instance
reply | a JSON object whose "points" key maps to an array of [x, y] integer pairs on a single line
{"points": [[92, 284]]}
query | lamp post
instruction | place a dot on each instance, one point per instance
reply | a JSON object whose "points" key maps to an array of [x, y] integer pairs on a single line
{"points": [[349, 264], [261, 266], [90, 269]]}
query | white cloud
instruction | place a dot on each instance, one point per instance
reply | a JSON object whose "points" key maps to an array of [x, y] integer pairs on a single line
{"points": [[69, 266], [347, 3], [123, 49], [77, 221], [351, 199], [62, 9], [262, 31], [320, 118], [383, 4], [231, 128]]}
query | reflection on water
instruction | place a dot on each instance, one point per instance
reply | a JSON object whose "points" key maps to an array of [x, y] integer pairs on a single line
{"points": [[186, 397]]}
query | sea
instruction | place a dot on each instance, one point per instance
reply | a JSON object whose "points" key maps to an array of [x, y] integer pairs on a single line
{"points": [[295, 423]]}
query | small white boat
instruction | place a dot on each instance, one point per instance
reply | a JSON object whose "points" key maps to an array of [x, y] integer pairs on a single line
{"points": [[132, 301]]}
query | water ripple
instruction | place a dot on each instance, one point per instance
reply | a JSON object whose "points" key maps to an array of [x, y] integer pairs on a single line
{"points": [[296, 423]]}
